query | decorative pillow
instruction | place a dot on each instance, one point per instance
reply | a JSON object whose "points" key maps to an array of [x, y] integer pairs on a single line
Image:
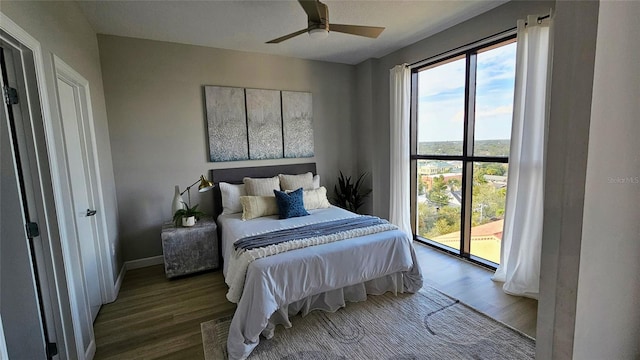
{"points": [[261, 186], [291, 204], [316, 199], [231, 197], [258, 206], [293, 182], [316, 181]]}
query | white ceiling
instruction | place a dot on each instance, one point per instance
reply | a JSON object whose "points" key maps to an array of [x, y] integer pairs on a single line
{"points": [[247, 25]]}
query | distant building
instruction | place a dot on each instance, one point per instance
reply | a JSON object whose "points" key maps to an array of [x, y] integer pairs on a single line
{"points": [[427, 180]]}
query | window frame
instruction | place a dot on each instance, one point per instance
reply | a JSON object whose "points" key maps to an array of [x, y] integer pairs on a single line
{"points": [[467, 158]]}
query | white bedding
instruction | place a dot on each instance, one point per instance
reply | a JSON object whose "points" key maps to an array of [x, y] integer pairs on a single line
{"points": [[322, 276]]}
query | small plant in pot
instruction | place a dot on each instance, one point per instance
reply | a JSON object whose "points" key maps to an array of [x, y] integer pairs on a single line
{"points": [[187, 216], [350, 195]]}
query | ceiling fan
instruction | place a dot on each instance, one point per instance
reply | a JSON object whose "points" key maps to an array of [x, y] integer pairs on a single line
{"points": [[318, 20]]}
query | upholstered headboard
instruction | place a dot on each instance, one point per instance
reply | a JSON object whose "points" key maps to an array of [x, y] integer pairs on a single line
{"points": [[235, 176]]}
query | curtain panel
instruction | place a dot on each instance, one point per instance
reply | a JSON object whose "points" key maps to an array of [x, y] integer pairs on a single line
{"points": [[522, 236]]}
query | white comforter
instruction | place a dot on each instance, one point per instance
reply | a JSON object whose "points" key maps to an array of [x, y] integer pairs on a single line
{"points": [[385, 261]]}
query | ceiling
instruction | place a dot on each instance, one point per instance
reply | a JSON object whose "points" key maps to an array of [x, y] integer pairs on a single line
{"points": [[247, 25]]}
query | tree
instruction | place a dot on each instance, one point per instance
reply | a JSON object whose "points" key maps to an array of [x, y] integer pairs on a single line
{"points": [[438, 194]]}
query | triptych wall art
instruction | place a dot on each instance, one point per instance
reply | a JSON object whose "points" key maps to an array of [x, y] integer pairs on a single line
{"points": [[255, 124]]}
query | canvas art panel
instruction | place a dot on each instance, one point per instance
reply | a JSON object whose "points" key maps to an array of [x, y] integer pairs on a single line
{"points": [[264, 124], [297, 124], [226, 120]]}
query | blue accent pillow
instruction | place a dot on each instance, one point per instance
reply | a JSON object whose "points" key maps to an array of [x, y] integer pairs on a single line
{"points": [[291, 204]]}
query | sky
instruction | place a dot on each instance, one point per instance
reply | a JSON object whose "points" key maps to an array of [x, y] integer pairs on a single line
{"points": [[441, 97]]}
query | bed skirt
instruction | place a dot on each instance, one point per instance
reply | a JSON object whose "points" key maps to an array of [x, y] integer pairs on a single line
{"points": [[333, 300]]}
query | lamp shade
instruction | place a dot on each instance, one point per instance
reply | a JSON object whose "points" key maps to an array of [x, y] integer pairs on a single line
{"points": [[205, 185]]}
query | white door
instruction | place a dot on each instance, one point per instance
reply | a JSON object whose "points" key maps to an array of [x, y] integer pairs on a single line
{"points": [[75, 146]]}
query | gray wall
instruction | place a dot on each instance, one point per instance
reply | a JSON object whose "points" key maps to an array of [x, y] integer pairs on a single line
{"points": [[607, 313], [574, 45], [154, 94], [374, 157], [62, 29]]}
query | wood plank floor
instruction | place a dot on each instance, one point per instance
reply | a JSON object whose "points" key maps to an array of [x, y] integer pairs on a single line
{"points": [[156, 318]]}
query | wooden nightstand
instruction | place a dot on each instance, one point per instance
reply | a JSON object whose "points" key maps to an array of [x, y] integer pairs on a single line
{"points": [[188, 250]]}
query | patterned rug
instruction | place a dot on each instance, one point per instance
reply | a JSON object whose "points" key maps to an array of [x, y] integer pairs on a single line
{"points": [[427, 325]]}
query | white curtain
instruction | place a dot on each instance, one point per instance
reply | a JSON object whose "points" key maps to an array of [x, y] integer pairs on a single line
{"points": [[522, 236], [400, 104]]}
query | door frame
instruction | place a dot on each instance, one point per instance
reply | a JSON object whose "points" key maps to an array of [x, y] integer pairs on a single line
{"points": [[54, 185]]}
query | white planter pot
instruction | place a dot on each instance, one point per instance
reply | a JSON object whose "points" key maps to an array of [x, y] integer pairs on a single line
{"points": [[188, 221]]}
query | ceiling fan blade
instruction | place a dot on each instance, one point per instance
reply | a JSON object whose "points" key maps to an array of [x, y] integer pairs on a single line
{"points": [[312, 8], [368, 31], [286, 37]]}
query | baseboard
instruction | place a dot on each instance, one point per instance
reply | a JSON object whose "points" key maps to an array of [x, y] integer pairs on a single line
{"points": [[140, 263]]}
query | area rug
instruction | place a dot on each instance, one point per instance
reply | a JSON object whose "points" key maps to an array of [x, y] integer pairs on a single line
{"points": [[427, 325]]}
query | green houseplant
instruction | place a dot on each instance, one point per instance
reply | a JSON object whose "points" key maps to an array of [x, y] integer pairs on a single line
{"points": [[187, 216], [350, 195]]}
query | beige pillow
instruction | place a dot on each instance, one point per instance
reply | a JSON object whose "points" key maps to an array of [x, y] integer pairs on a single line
{"points": [[258, 206], [261, 186], [316, 181], [314, 198], [295, 182]]}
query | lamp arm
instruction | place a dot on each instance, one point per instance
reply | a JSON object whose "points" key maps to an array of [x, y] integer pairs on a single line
{"points": [[189, 187]]}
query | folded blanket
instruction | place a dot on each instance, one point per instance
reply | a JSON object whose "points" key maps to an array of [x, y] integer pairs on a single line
{"points": [[255, 247], [307, 231]]}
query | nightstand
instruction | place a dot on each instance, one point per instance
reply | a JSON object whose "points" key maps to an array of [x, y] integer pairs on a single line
{"points": [[188, 250]]}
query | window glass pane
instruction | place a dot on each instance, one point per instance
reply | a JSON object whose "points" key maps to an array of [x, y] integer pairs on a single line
{"points": [[488, 206], [441, 109], [439, 201], [494, 100]]}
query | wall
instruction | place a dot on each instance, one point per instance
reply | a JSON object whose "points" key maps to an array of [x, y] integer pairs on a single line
{"points": [[574, 45], [376, 160], [157, 122], [607, 314], [62, 29]]}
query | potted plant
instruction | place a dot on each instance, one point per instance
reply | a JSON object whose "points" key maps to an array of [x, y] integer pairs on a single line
{"points": [[187, 216], [349, 195]]}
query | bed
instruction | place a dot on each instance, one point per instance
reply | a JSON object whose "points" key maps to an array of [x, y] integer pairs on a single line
{"points": [[320, 277]]}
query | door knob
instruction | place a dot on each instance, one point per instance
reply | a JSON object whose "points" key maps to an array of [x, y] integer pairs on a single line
{"points": [[91, 212]]}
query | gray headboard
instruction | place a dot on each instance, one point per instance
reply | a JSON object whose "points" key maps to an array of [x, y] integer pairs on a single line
{"points": [[235, 176]]}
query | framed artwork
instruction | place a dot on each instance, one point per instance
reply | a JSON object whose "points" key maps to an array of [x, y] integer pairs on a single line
{"points": [[256, 124], [297, 124], [227, 123], [264, 124]]}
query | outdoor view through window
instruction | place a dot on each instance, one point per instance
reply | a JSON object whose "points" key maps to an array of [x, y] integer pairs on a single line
{"points": [[448, 172]]}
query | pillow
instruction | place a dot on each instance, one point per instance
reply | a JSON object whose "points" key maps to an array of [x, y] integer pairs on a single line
{"points": [[261, 186], [316, 181], [258, 206], [231, 197], [293, 182], [316, 199], [291, 204]]}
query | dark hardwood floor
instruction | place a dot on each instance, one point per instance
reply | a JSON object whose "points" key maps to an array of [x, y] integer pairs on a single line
{"points": [[156, 318]]}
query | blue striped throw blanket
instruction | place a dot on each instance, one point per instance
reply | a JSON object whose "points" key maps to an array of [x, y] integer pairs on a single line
{"points": [[307, 231]]}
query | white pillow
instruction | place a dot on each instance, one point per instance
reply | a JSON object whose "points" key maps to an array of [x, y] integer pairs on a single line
{"points": [[315, 199], [258, 206], [316, 181], [295, 182], [261, 186], [231, 197]]}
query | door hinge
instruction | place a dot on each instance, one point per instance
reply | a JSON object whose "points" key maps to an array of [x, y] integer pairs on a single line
{"points": [[52, 350], [32, 230], [10, 95]]}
